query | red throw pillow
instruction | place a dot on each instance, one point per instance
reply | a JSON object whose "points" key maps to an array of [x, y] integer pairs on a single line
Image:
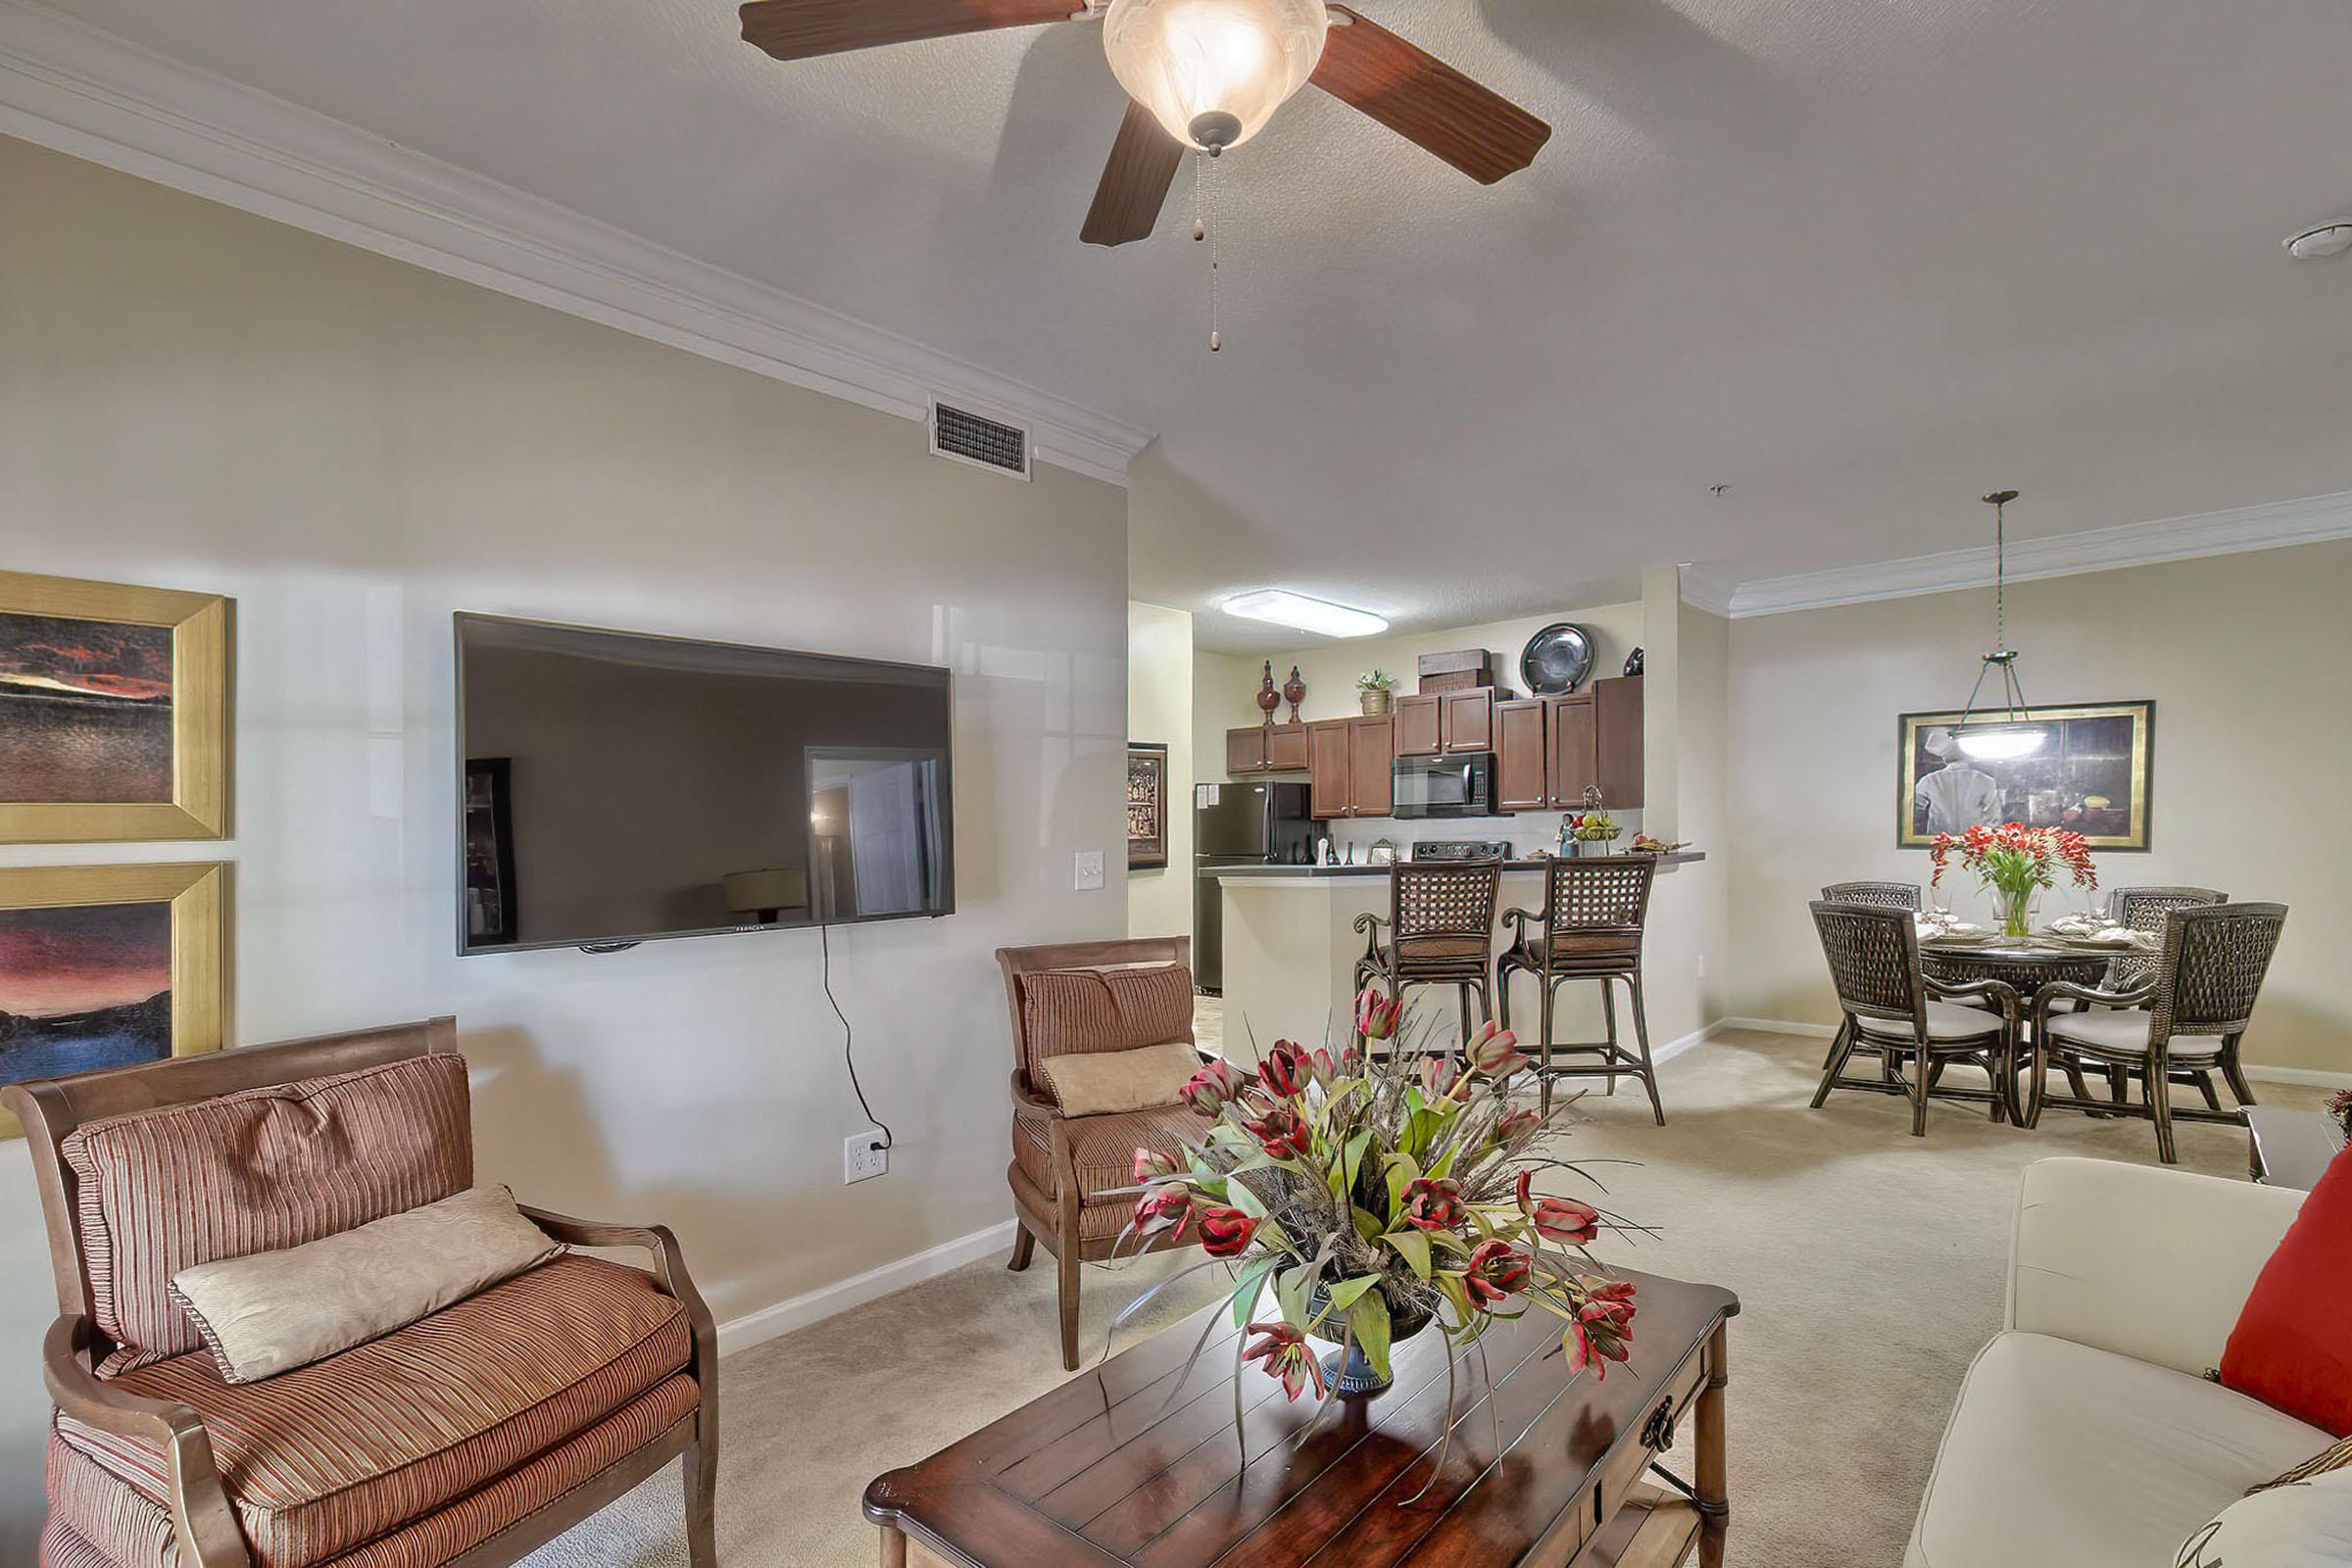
{"points": [[2292, 1346]]}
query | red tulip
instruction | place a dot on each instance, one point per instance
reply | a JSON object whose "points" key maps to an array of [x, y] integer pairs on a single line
{"points": [[1326, 1068], [1498, 1270], [1434, 1206], [1517, 1125], [1285, 1070], [1594, 1338], [1150, 1163], [1376, 1015], [1213, 1087], [1495, 1051], [1439, 1074], [1612, 1300], [1226, 1232], [1281, 1132], [1565, 1220], [1163, 1209], [1287, 1357]]}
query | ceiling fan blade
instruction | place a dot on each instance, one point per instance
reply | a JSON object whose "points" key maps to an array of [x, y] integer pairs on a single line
{"points": [[1426, 101], [798, 29], [1135, 182]]}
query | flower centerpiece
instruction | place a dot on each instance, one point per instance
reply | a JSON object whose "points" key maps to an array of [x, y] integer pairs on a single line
{"points": [[2339, 1105], [2014, 861], [1374, 686], [1374, 1197]]}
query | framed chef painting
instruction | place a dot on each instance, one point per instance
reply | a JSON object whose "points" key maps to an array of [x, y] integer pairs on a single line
{"points": [[2089, 774], [1147, 805], [108, 966], [114, 711]]}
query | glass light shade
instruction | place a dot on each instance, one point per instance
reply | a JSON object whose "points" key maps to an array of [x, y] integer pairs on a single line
{"points": [[1214, 72], [1998, 743]]}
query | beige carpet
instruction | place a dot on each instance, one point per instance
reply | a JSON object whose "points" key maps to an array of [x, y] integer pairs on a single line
{"points": [[1869, 1264]]}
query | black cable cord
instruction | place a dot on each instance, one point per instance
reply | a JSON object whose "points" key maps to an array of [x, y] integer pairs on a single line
{"points": [[848, 1054]]}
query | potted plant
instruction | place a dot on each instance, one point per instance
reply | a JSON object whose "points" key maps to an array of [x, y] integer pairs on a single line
{"points": [[2013, 862], [1374, 1199], [1374, 686]]}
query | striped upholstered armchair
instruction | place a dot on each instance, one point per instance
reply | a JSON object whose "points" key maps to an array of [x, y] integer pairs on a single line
{"points": [[469, 1437]]}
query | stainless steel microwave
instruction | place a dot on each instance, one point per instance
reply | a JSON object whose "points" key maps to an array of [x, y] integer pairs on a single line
{"points": [[1460, 785]]}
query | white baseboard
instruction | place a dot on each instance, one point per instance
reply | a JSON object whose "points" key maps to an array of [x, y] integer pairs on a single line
{"points": [[2315, 1077], [1675, 1048], [1776, 1026], [814, 1306]]}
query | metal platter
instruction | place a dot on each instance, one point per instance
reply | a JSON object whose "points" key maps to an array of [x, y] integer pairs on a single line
{"points": [[1556, 659]]}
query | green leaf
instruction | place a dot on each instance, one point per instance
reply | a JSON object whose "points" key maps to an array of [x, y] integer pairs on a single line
{"points": [[1402, 1173], [1369, 1317], [1354, 1159], [1347, 1291], [1444, 1165], [1242, 1199], [1246, 1289], [1368, 1224], [1450, 1242], [1458, 1296], [1290, 1289], [1413, 1247]]}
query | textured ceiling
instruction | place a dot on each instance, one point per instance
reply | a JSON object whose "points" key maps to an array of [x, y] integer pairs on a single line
{"points": [[1859, 259]]}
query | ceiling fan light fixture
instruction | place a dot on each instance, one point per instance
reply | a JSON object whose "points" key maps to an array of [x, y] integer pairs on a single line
{"points": [[1214, 72]]}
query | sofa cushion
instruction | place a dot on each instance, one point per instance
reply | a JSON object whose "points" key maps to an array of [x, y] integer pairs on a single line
{"points": [[2307, 1524], [1114, 1008], [160, 1190], [1095, 1083], [2060, 1453], [2292, 1345], [326, 1457], [268, 1313]]}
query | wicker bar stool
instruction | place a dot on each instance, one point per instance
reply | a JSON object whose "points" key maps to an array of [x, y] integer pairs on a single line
{"points": [[2188, 1016], [1886, 895], [1892, 1007], [1441, 928], [1589, 929]]}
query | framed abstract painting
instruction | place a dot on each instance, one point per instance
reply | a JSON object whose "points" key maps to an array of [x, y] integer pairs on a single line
{"points": [[108, 965], [2089, 775], [114, 711]]}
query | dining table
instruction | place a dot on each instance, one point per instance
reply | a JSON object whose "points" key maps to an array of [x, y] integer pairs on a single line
{"points": [[2027, 964]]}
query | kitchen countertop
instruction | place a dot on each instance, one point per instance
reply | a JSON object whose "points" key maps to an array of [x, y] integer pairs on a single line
{"points": [[1309, 874]]}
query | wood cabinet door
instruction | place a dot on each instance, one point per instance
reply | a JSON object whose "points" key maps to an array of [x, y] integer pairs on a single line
{"points": [[1371, 767], [1522, 769], [1246, 749], [1571, 749], [1469, 721], [1286, 749], [1420, 726], [1617, 724], [1327, 775]]}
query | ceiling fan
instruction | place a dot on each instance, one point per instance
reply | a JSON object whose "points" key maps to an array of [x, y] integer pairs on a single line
{"points": [[1201, 76]]}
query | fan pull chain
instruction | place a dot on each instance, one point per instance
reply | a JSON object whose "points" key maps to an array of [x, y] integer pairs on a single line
{"points": [[1205, 228]]}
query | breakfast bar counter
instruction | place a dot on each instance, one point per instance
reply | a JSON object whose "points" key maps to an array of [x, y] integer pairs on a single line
{"points": [[1290, 946]]}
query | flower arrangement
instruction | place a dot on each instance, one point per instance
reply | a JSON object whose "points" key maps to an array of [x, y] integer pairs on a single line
{"points": [[2339, 1105], [2014, 861], [1373, 1198], [1375, 679]]}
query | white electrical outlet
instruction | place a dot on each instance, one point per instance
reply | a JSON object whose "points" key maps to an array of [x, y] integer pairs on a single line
{"points": [[863, 1157], [1090, 870]]}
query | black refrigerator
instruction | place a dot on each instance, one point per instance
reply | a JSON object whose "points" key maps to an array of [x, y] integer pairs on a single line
{"points": [[1239, 824]]}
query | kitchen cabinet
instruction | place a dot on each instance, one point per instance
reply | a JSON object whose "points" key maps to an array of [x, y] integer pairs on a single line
{"points": [[1351, 766], [1266, 748], [1548, 750], [1441, 723]]}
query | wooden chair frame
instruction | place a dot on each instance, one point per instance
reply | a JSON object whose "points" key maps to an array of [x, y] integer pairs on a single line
{"points": [[1476, 888], [2158, 1067], [204, 1523], [1862, 996], [1054, 1217], [1567, 948]]}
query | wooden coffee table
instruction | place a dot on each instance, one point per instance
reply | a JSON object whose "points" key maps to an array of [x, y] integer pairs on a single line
{"points": [[1109, 1470]]}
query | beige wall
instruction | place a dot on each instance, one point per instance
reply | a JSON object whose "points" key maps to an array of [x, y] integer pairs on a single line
{"points": [[197, 398], [2245, 656], [1159, 708]]}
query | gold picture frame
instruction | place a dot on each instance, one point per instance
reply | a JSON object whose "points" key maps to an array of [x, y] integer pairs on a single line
{"points": [[196, 940], [195, 803], [2092, 777]]}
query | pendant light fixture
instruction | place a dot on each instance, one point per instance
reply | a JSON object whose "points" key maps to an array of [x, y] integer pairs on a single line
{"points": [[2013, 734], [1214, 72]]}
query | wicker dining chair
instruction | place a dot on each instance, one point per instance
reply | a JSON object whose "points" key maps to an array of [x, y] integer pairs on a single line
{"points": [[1441, 930], [1890, 1007], [2143, 910], [2190, 1016], [1595, 910], [1887, 895]]}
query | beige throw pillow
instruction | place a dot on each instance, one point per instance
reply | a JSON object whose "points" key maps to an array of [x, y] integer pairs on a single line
{"points": [[270, 1312], [1089, 1083]]}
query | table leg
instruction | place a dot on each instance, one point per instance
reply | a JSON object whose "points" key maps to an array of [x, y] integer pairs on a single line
{"points": [[894, 1547], [1714, 1495]]}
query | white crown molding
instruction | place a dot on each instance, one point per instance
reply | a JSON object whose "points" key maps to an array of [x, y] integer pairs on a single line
{"points": [[69, 86], [2133, 544], [1708, 587]]}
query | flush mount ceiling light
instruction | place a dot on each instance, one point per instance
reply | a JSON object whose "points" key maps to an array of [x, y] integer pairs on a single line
{"points": [[1284, 608], [2324, 243], [1991, 738]]}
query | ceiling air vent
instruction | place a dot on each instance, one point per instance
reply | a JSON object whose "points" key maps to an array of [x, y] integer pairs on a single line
{"points": [[979, 440]]}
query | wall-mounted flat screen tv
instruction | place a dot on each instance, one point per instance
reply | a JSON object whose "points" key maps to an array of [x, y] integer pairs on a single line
{"points": [[616, 787]]}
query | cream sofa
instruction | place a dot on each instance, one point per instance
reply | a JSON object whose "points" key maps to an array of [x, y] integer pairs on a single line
{"points": [[2087, 1434]]}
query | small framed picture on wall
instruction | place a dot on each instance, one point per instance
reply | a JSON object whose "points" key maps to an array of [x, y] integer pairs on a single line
{"points": [[1147, 805]]}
